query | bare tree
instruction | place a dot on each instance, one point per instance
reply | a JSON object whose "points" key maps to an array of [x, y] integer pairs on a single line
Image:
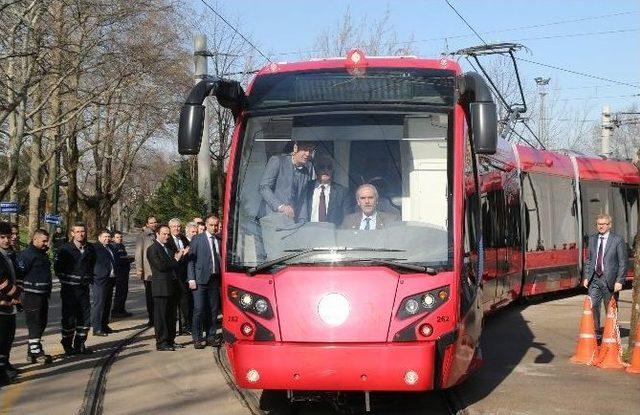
{"points": [[20, 46], [375, 37]]}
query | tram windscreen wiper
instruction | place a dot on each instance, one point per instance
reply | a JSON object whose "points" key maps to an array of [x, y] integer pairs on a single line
{"points": [[400, 265], [300, 252]]}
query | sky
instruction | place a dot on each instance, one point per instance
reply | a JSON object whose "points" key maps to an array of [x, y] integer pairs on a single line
{"points": [[600, 39]]}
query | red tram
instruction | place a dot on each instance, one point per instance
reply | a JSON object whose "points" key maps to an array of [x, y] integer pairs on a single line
{"points": [[479, 222]]}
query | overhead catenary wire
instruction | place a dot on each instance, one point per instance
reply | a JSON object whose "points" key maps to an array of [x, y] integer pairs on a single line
{"points": [[237, 31], [516, 68], [579, 73]]}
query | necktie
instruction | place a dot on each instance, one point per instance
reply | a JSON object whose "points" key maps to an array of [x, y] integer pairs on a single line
{"points": [[600, 257], [322, 206], [367, 225], [213, 255]]}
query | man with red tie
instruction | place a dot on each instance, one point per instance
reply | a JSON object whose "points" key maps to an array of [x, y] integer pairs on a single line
{"points": [[606, 267], [328, 200]]}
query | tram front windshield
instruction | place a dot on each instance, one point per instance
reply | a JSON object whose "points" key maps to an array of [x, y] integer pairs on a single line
{"points": [[356, 187]]}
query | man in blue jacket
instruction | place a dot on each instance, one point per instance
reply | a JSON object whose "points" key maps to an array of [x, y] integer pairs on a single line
{"points": [[36, 285], [103, 282], [203, 275]]}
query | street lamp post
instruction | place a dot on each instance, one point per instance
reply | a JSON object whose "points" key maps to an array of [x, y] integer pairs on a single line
{"points": [[542, 90]]}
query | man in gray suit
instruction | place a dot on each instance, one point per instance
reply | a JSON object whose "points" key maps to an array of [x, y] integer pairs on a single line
{"points": [[368, 218], [606, 267], [284, 183]]}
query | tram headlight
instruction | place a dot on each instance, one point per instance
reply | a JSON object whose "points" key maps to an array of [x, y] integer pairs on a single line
{"points": [[246, 300], [428, 300], [411, 306], [424, 302], [261, 306], [250, 302]]}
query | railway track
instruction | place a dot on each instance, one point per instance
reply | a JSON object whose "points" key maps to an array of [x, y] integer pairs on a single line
{"points": [[96, 387], [440, 402]]}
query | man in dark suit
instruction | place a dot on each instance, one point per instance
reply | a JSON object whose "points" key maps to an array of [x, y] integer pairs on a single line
{"points": [[185, 304], [163, 260], [368, 218], [204, 281], [328, 200], [606, 267], [104, 278], [284, 183], [123, 268], [9, 298]]}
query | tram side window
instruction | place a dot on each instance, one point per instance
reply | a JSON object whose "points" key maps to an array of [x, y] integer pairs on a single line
{"points": [[631, 204], [551, 213], [618, 201]]}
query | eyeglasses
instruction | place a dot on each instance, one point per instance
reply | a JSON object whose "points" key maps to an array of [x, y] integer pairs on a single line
{"points": [[603, 224]]}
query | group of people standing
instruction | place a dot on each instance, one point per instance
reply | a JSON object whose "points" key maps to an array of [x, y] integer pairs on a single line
{"points": [[87, 273], [181, 272]]}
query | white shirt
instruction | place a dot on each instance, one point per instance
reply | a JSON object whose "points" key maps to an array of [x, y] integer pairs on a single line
{"points": [[112, 274], [604, 247], [315, 200], [178, 242], [213, 245], [372, 221]]}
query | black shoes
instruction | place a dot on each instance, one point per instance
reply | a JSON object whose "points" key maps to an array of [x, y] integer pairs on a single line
{"points": [[100, 333], [82, 349], [214, 342], [186, 332], [199, 344], [121, 314], [109, 330], [165, 348], [177, 346]]}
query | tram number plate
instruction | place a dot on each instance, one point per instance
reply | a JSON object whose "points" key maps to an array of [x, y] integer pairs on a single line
{"points": [[442, 319]]}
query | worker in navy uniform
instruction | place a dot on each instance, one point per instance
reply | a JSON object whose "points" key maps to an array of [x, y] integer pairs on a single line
{"points": [[606, 267], [164, 263], [74, 268], [36, 284], [104, 280], [204, 282], [179, 241], [123, 268], [9, 298], [58, 238]]}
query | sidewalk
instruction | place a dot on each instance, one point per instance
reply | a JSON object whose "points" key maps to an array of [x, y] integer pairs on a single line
{"points": [[527, 368], [141, 379]]}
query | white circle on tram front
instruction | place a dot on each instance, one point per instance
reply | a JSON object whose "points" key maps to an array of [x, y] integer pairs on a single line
{"points": [[333, 309]]}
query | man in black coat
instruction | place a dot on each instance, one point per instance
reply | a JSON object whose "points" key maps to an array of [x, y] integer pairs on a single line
{"points": [[123, 269], [103, 282], [185, 304], [164, 263], [9, 298], [74, 268], [328, 200], [36, 284]]}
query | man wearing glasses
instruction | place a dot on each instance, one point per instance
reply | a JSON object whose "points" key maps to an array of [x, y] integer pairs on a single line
{"points": [[328, 200], [606, 267]]}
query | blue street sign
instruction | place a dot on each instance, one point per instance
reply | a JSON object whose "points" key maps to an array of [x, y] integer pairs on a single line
{"points": [[9, 207], [52, 219]]}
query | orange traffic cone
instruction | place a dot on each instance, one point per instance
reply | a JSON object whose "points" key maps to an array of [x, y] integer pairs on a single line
{"points": [[587, 347], [635, 354], [610, 356]]}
